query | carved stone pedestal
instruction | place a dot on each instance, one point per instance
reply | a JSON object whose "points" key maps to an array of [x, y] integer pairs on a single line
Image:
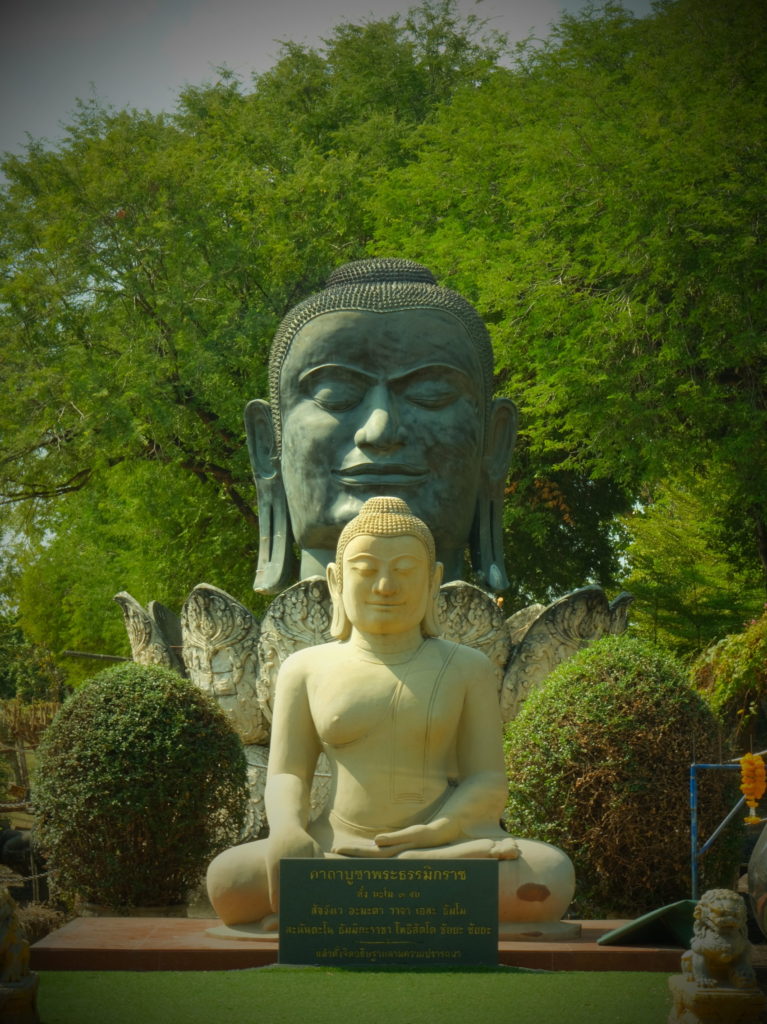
{"points": [[695, 1004], [18, 1001]]}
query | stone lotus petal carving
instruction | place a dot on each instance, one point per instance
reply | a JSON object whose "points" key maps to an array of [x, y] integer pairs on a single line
{"points": [[298, 617], [518, 623], [220, 648], [154, 633], [469, 616], [257, 757], [545, 638]]}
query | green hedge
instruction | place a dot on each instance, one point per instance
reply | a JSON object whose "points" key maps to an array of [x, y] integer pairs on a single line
{"points": [[598, 761], [140, 782]]}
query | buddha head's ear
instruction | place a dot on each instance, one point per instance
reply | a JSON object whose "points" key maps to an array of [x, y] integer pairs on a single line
{"points": [[340, 627], [500, 440], [262, 443], [487, 530], [276, 562]]}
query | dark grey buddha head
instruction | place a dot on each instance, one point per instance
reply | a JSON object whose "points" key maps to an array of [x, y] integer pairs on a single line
{"points": [[380, 384]]}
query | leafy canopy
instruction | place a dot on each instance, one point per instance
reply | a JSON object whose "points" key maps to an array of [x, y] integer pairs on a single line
{"points": [[598, 194]]}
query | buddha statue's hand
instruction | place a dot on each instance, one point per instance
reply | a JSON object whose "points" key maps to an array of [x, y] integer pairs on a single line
{"points": [[418, 837], [294, 842], [434, 836], [444, 833], [391, 844]]}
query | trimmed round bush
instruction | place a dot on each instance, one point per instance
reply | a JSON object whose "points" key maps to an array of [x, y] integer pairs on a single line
{"points": [[598, 762], [140, 783]]}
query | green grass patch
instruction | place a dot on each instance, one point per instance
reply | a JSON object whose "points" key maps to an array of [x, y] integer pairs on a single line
{"points": [[286, 995]]}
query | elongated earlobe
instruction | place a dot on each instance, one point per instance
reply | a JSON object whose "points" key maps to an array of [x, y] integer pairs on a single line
{"points": [[487, 530], [340, 627], [276, 561]]}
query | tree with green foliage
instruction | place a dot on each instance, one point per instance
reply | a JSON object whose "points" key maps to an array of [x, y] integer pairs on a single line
{"points": [[602, 200], [732, 676], [687, 591], [144, 266], [27, 671], [597, 194]]}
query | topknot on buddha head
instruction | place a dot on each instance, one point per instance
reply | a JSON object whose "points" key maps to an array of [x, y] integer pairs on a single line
{"points": [[386, 517]]}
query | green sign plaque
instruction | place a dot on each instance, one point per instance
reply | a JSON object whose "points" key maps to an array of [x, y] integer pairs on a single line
{"points": [[384, 912]]}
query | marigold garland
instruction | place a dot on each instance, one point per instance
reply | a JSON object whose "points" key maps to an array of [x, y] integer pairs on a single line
{"points": [[753, 782]]}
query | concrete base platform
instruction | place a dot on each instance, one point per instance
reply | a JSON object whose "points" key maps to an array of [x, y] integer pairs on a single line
{"points": [[183, 944]]}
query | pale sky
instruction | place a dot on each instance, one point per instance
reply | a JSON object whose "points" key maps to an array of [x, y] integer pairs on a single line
{"points": [[140, 53]]}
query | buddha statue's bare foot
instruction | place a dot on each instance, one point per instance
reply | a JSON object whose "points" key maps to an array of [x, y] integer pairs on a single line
{"points": [[505, 849]]}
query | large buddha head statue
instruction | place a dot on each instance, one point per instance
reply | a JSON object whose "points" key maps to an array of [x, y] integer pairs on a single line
{"points": [[380, 384]]}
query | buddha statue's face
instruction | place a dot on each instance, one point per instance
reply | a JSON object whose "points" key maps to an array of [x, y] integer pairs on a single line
{"points": [[381, 404], [386, 583]]}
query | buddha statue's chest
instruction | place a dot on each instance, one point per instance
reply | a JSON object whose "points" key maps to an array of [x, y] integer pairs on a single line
{"points": [[414, 702]]}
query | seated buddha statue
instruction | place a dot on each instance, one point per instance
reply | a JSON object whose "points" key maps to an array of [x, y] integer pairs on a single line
{"points": [[411, 728]]}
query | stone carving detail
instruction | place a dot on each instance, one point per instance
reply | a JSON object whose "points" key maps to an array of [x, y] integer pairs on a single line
{"points": [[220, 648], [298, 617], [717, 981], [469, 616], [257, 756], [545, 637], [720, 953], [154, 633]]}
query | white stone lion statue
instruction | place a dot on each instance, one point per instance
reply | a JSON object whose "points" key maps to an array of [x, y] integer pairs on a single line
{"points": [[720, 953]]}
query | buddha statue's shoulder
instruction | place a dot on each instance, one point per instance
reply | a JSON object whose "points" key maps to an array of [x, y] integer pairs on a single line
{"points": [[313, 658], [463, 657]]}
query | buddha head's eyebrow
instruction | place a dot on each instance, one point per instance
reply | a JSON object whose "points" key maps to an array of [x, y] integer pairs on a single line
{"points": [[344, 368], [431, 369], [425, 369]]}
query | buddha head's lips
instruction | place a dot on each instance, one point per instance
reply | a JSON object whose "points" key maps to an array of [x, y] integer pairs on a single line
{"points": [[361, 473]]}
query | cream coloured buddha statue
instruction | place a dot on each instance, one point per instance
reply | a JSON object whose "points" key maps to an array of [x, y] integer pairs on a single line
{"points": [[411, 728]]}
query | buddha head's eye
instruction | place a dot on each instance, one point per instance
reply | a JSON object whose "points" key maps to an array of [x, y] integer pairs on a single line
{"points": [[334, 388], [432, 387]]}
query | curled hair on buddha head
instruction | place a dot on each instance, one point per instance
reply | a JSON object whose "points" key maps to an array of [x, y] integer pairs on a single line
{"points": [[381, 285], [384, 517]]}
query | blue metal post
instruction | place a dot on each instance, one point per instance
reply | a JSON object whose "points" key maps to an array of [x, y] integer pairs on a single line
{"points": [[695, 853]]}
